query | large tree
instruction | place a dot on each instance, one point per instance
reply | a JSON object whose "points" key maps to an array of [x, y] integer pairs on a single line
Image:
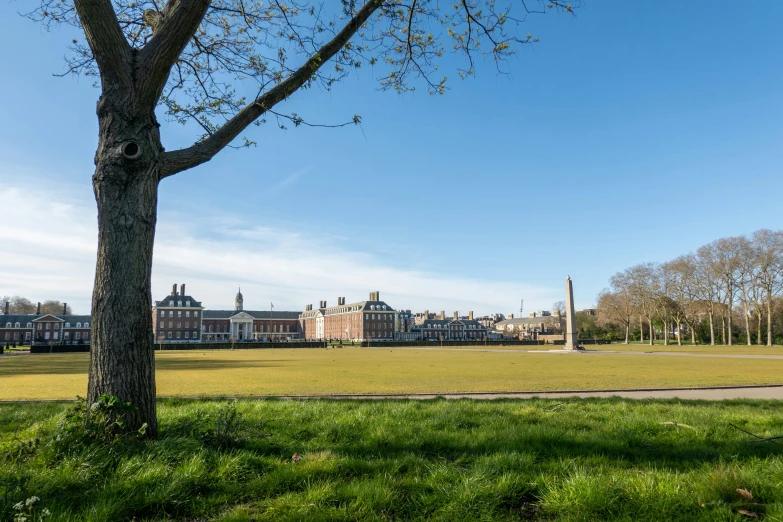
{"points": [[184, 58]]}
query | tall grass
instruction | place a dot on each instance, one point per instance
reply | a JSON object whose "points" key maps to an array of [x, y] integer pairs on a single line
{"points": [[409, 460]]}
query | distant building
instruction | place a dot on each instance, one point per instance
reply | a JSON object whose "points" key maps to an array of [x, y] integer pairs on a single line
{"points": [[454, 329], [489, 321], [177, 318], [530, 327], [372, 319], [40, 328]]}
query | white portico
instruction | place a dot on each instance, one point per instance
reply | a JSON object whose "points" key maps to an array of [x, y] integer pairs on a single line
{"points": [[241, 326]]}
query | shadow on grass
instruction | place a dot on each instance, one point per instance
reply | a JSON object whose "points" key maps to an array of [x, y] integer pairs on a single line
{"points": [[59, 367]]}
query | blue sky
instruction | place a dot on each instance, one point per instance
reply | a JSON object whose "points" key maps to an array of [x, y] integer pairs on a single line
{"points": [[634, 132]]}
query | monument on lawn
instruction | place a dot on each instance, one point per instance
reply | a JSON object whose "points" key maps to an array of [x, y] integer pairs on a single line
{"points": [[571, 340]]}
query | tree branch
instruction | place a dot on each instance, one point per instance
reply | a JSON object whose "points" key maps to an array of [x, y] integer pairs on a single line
{"points": [[108, 44], [177, 161], [178, 22]]}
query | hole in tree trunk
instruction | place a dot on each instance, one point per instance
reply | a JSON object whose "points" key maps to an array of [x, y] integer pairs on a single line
{"points": [[131, 150]]}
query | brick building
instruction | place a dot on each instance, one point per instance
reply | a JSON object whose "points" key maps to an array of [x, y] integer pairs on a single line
{"points": [[40, 328], [453, 329], [177, 318], [364, 320], [248, 325]]}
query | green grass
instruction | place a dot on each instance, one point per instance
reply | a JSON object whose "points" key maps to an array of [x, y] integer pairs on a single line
{"points": [[381, 370], [445, 460]]}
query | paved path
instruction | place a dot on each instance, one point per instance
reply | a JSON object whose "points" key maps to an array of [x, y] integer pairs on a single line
{"points": [[582, 353]]}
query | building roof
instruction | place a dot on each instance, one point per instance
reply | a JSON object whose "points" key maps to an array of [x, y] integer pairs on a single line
{"points": [[529, 320], [265, 314], [165, 301], [361, 306], [23, 319]]}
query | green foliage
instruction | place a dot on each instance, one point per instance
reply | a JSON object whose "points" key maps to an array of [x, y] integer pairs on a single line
{"points": [[103, 423], [415, 460]]}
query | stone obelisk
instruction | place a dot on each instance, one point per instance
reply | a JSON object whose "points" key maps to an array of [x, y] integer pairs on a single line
{"points": [[571, 340]]}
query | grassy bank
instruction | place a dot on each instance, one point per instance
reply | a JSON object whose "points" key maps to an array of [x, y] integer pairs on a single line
{"points": [[372, 370], [409, 460]]}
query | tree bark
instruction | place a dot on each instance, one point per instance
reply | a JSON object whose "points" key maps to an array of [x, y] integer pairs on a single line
{"points": [[747, 322], [122, 357], [769, 320], [627, 331], [652, 337], [712, 328], [679, 333], [666, 333], [758, 328]]}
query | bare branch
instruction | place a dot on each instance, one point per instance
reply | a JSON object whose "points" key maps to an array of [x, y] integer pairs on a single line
{"points": [[178, 21], [177, 161]]}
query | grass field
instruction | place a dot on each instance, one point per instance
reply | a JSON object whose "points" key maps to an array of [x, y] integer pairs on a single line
{"points": [[572, 460], [380, 370]]}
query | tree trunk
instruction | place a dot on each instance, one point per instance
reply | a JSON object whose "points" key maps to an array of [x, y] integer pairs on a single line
{"points": [[769, 320], [693, 333], [627, 332], [122, 357], [758, 328], [641, 329], [722, 329], [712, 328], [666, 333], [652, 337], [679, 333], [747, 322], [728, 322]]}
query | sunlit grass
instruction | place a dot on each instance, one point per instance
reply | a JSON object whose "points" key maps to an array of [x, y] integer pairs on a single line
{"points": [[384, 370], [415, 460]]}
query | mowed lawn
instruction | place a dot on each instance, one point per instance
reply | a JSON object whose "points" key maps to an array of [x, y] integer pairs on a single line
{"points": [[434, 460], [383, 370]]}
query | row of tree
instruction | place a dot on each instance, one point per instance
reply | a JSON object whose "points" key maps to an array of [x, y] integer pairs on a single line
{"points": [[22, 305], [728, 288]]}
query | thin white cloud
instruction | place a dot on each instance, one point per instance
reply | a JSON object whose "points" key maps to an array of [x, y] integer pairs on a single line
{"points": [[53, 247]]}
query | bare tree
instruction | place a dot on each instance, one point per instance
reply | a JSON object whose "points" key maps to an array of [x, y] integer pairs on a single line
{"points": [[559, 306], [22, 305], [615, 308], [53, 307], [185, 57], [707, 284], [769, 249], [643, 287]]}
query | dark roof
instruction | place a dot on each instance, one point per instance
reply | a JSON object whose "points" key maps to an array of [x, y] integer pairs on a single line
{"points": [[530, 320], [266, 314], [183, 298], [444, 323], [23, 319]]}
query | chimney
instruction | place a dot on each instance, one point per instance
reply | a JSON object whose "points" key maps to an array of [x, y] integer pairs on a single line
{"points": [[510, 316], [532, 314], [7, 305], [38, 310], [470, 315], [426, 314], [65, 308], [182, 289], [442, 314], [377, 295], [456, 316], [174, 289]]}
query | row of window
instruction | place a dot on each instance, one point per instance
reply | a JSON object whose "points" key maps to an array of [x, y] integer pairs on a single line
{"points": [[179, 303], [162, 324], [179, 313], [49, 336], [262, 328], [380, 316], [56, 325], [179, 335]]}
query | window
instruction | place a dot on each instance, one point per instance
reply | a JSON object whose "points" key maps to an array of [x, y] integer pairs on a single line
{"points": [[67, 325], [8, 336], [171, 303], [179, 324], [67, 335], [171, 313], [210, 328], [179, 334], [179, 303], [46, 337], [29, 325], [27, 336], [187, 303], [86, 336], [86, 325], [187, 324], [78, 335], [55, 335], [8, 325], [287, 328], [163, 313], [16, 336], [187, 314], [179, 313], [78, 325], [17, 325], [169, 336], [48, 326], [195, 335], [56, 326], [195, 314], [187, 335], [171, 324]]}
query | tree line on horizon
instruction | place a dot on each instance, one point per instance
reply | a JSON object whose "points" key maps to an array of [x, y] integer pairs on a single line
{"points": [[729, 289], [22, 305]]}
